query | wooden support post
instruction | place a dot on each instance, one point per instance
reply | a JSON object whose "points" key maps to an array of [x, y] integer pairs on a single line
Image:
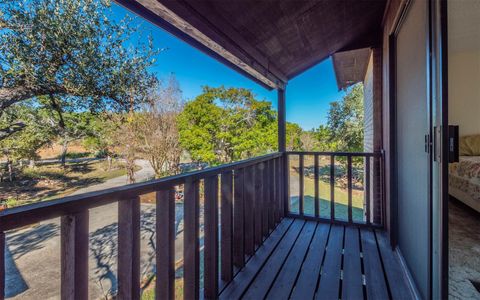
{"points": [[129, 248], [282, 127], [211, 237], [191, 250], [74, 256], [226, 226], [165, 246]]}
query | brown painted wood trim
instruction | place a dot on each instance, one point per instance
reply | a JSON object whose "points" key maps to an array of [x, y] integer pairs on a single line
{"points": [[317, 187], [329, 221], [211, 238], [74, 256], [332, 188], [238, 219], [249, 210], [36, 212], [301, 184], [367, 190], [129, 248], [349, 187], [226, 226], [191, 249], [165, 244], [3, 245]]}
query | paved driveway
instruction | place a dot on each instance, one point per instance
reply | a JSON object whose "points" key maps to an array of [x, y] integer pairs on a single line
{"points": [[33, 254]]}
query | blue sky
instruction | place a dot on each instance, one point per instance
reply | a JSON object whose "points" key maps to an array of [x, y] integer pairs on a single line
{"points": [[308, 95]]}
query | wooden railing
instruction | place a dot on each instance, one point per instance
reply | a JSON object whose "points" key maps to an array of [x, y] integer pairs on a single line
{"points": [[371, 193], [249, 199]]}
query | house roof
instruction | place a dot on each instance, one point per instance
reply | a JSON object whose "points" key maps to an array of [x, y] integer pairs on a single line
{"points": [[350, 66], [270, 41]]}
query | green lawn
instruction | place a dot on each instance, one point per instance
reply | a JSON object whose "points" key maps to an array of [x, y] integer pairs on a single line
{"points": [[341, 197]]}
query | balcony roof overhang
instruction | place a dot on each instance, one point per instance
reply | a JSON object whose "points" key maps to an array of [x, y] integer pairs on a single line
{"points": [[350, 66], [268, 41]]}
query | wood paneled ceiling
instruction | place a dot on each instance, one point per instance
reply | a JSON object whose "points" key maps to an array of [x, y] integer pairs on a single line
{"points": [[270, 41]]}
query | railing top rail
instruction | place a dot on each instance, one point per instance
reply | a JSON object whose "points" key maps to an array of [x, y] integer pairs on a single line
{"points": [[320, 153], [28, 214]]}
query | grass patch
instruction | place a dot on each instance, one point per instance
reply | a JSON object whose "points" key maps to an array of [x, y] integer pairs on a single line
{"points": [[50, 181]]}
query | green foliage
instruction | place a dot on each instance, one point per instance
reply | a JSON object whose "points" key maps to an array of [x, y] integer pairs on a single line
{"points": [[227, 124], [325, 141], [345, 121], [37, 133], [68, 57], [293, 138]]}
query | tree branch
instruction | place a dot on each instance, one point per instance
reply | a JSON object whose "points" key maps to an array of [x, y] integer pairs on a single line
{"points": [[11, 129]]}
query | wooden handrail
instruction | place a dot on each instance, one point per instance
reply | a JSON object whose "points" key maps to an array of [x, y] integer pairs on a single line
{"points": [[249, 211], [32, 213]]}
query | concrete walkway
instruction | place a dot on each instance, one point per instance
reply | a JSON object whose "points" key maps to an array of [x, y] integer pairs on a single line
{"points": [[33, 254]]}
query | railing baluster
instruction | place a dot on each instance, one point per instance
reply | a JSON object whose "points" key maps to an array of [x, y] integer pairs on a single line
{"points": [[277, 191], [265, 226], [249, 217], [211, 237], [286, 174], [332, 187], [74, 256], [271, 222], [258, 203], [316, 184], [129, 248], [301, 185], [226, 220], [349, 178], [191, 250], [2, 265], [165, 247], [367, 188], [238, 218]]}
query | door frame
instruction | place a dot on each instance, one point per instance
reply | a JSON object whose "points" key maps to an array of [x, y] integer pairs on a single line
{"points": [[403, 11]]}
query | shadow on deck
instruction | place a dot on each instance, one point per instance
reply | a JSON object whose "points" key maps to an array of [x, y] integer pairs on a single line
{"points": [[305, 260]]}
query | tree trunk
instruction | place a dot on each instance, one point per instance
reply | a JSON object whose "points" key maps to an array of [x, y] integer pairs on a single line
{"points": [[10, 170], [109, 162], [64, 153]]}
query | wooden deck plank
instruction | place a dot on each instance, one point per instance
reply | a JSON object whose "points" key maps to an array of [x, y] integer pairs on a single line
{"points": [[395, 275], [352, 285], [330, 277], [285, 280], [375, 279], [267, 274], [243, 279], [307, 281]]}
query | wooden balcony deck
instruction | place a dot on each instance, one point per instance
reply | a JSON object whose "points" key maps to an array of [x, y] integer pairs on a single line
{"points": [[306, 259]]}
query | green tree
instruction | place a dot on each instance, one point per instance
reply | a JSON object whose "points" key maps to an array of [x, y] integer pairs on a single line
{"points": [[227, 124], [60, 48], [294, 137], [325, 141], [345, 121], [38, 132]]}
